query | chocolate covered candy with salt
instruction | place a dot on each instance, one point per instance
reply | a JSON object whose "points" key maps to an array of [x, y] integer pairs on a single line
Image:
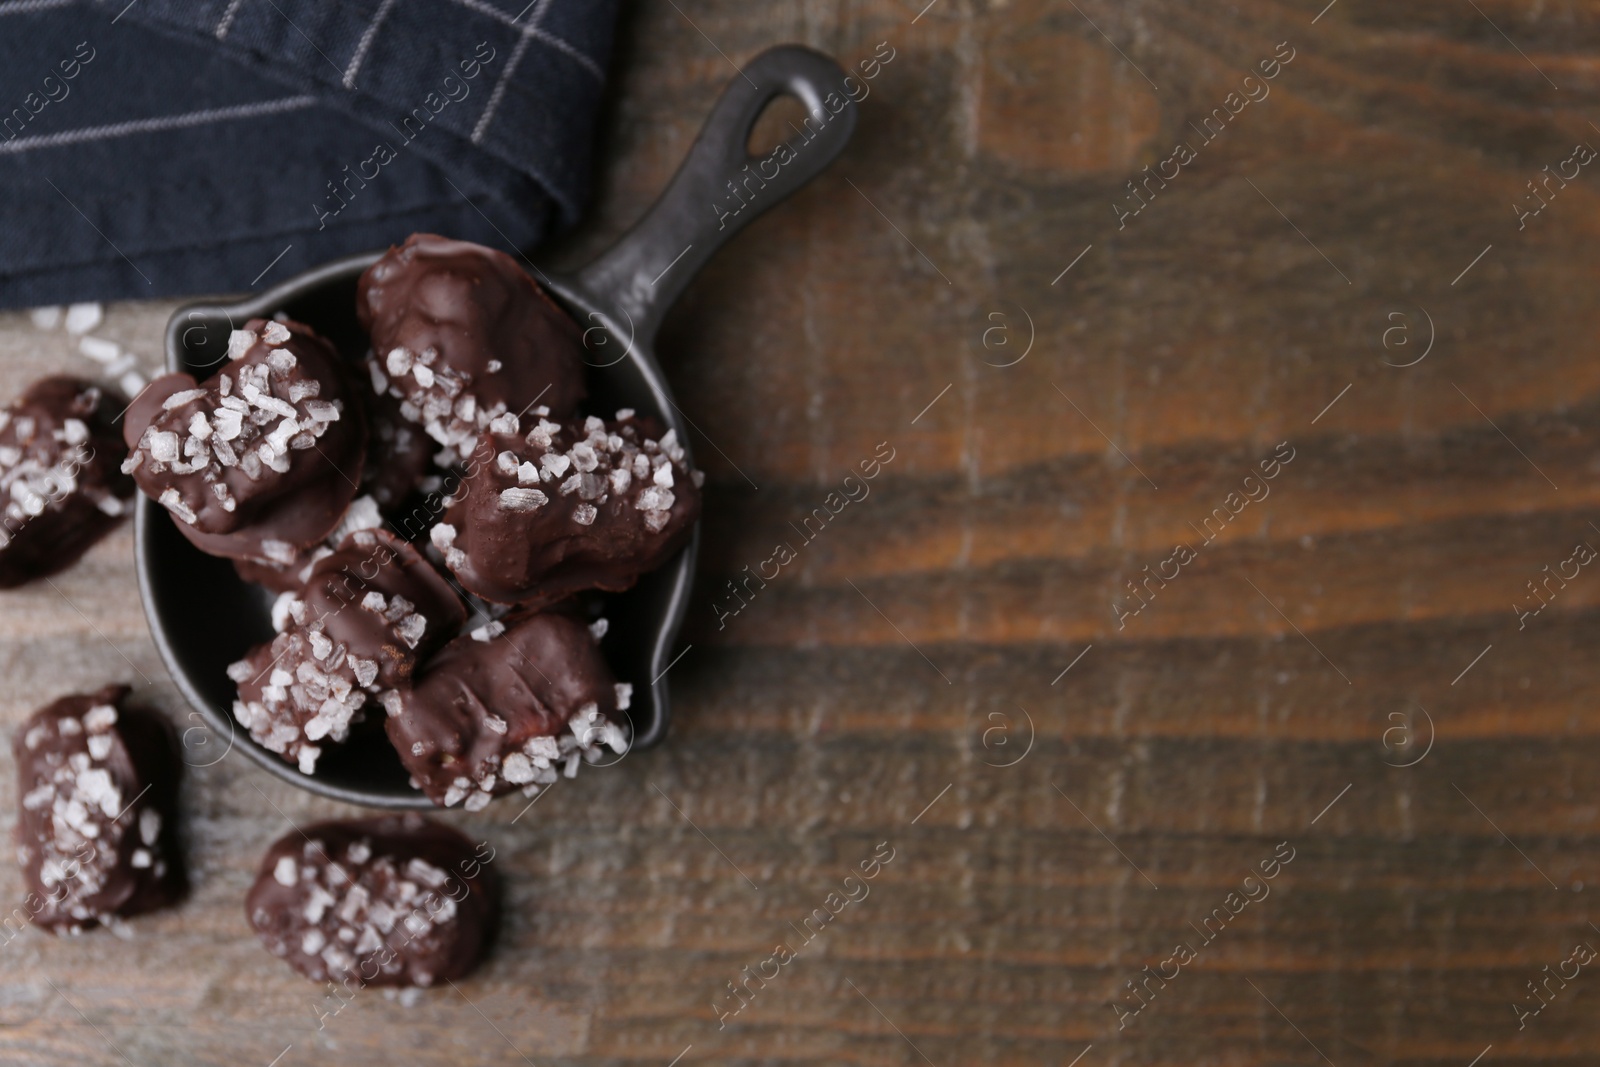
{"points": [[461, 334], [60, 455], [562, 508], [392, 901], [366, 616], [98, 787], [511, 705], [262, 459], [363, 514]]}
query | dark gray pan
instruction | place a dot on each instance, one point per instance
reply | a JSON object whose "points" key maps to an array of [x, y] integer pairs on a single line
{"points": [[203, 617]]}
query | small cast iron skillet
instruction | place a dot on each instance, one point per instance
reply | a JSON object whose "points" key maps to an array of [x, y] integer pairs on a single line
{"points": [[203, 617]]}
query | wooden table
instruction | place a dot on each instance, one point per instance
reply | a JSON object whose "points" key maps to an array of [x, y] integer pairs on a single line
{"points": [[953, 665]]}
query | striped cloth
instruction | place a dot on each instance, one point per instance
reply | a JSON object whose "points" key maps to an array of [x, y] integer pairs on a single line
{"points": [[166, 147]]}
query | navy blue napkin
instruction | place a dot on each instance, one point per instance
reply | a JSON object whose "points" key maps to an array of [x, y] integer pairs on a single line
{"points": [[165, 147]]}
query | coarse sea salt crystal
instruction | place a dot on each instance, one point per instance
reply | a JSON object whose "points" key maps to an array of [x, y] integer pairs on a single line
{"points": [[275, 333], [173, 502], [520, 499], [366, 670], [411, 629], [489, 631], [164, 446], [239, 342], [285, 873], [180, 398], [81, 318], [99, 349], [584, 514], [46, 318]]}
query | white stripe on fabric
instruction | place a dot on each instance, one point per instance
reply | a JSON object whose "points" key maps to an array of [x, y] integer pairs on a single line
{"points": [[227, 19], [24, 7], [533, 31], [365, 43], [500, 89], [151, 125]]}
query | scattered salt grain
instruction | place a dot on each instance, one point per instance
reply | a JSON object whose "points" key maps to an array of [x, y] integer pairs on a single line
{"points": [[81, 318], [99, 349]]}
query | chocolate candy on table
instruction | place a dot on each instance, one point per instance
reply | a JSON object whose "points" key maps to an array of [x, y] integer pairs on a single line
{"points": [[587, 504], [393, 901], [59, 476], [98, 785], [261, 460], [510, 705], [461, 334], [366, 616]]}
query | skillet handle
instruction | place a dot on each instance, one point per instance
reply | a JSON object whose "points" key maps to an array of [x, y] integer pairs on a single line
{"points": [[720, 187]]}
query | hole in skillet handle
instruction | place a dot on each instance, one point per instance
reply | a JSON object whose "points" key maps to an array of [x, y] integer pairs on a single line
{"points": [[203, 616]]}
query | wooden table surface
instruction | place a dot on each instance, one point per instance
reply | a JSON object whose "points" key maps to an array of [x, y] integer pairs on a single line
{"points": [[1344, 667]]}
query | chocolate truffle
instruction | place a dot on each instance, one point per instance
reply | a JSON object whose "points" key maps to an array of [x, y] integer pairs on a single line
{"points": [[59, 476], [584, 505], [461, 334], [98, 783], [366, 616], [392, 901], [263, 458], [508, 706]]}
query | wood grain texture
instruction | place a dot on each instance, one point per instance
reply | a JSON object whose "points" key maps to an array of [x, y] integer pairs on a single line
{"points": [[875, 689]]}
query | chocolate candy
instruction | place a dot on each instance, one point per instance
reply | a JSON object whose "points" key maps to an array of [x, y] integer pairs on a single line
{"points": [[560, 508], [392, 901], [460, 334], [508, 706], [399, 453], [59, 477], [98, 786], [363, 514], [260, 460], [366, 616]]}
